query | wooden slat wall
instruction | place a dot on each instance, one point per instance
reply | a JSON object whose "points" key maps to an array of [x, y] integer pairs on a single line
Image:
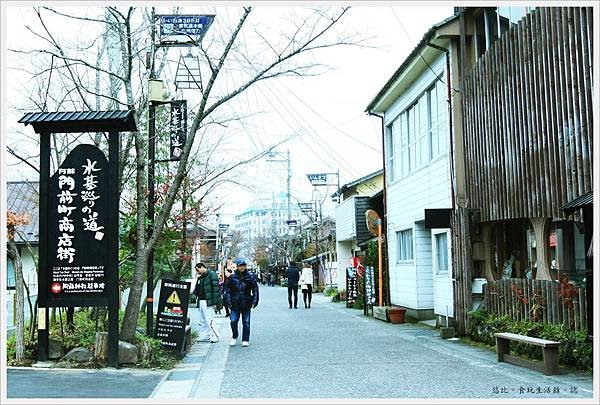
{"points": [[501, 298], [527, 109]]}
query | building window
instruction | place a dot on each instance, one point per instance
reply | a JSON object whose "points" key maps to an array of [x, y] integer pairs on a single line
{"points": [[10, 275], [437, 105], [421, 130], [441, 247], [390, 153], [404, 245]]}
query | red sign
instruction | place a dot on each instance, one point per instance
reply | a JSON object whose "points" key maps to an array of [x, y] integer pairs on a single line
{"points": [[56, 288], [553, 239], [358, 265]]}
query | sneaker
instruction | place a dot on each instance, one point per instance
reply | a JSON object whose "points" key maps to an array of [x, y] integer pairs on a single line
{"points": [[245, 344], [214, 340], [232, 342]]}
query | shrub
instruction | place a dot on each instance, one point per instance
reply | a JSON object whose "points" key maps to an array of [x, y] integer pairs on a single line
{"points": [[574, 350], [330, 291]]}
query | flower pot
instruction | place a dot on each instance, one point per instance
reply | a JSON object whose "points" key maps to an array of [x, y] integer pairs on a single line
{"points": [[397, 315]]}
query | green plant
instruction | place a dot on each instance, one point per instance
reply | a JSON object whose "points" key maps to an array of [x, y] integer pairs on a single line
{"points": [[330, 291], [574, 350], [359, 303]]}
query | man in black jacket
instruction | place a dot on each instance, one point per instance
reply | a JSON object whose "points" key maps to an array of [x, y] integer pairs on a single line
{"points": [[293, 275], [208, 295], [241, 295]]}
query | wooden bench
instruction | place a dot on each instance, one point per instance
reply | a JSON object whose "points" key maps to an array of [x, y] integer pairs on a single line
{"points": [[549, 352]]}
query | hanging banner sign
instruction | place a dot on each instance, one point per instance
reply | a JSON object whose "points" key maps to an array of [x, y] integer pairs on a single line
{"points": [[171, 317], [317, 179], [370, 285], [178, 128], [292, 222], [224, 226], [77, 218], [194, 26]]}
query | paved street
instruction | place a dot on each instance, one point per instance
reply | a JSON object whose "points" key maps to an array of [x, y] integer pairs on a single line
{"points": [[63, 383], [331, 351]]}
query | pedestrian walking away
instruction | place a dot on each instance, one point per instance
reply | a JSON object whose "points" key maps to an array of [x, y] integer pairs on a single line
{"points": [[207, 295], [293, 276], [241, 295], [306, 281]]}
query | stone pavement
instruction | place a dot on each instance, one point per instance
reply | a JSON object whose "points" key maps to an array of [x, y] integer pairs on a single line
{"points": [[329, 351]]}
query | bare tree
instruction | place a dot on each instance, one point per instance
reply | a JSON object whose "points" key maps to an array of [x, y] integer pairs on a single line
{"points": [[291, 53]]}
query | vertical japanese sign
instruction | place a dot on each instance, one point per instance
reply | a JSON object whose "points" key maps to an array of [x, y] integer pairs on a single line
{"points": [[351, 287], [171, 317], [78, 213], [370, 285], [178, 128]]}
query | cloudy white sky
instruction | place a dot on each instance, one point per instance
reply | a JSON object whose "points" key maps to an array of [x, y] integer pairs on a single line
{"points": [[325, 112]]}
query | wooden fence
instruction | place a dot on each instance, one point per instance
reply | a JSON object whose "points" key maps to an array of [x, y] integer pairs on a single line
{"points": [[537, 300]]}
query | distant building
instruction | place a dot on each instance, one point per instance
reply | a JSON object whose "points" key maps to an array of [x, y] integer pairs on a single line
{"points": [[264, 218], [351, 230]]}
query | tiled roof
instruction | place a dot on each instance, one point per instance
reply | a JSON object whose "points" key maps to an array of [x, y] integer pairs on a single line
{"points": [[23, 198], [579, 202], [81, 121]]}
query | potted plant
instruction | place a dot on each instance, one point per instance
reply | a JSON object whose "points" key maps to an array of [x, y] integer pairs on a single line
{"points": [[397, 314]]}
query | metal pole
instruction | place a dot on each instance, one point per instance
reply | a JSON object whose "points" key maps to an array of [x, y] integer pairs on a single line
{"points": [[380, 264], [151, 197], [113, 259], [43, 319]]}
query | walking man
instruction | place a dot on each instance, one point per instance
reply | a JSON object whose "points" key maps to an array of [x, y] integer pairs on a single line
{"points": [[208, 295], [293, 276], [241, 295]]}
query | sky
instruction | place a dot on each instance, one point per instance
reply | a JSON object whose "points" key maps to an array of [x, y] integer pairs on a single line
{"points": [[324, 115]]}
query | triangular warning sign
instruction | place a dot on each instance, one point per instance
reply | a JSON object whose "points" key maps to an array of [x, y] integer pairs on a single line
{"points": [[174, 298]]}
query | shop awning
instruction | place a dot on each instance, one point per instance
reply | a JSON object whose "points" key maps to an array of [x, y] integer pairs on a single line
{"points": [[580, 202]]}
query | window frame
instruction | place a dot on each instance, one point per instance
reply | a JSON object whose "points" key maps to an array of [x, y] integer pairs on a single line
{"points": [[437, 253], [401, 242]]}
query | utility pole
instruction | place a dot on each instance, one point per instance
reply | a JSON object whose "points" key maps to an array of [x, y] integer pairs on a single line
{"points": [[217, 247], [289, 187], [151, 192]]}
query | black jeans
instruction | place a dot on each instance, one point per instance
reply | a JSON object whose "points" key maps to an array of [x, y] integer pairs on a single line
{"points": [[307, 294], [293, 290]]}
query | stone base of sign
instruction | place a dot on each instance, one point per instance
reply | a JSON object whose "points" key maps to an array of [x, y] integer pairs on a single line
{"points": [[79, 355], [381, 313], [55, 349], [128, 353], [447, 332]]}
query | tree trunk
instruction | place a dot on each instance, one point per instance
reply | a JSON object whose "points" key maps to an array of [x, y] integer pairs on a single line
{"points": [[157, 278], [70, 317], [13, 255], [101, 346]]}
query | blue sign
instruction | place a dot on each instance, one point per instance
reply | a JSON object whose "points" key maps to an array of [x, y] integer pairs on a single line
{"points": [[305, 207], [224, 226], [317, 178], [189, 25]]}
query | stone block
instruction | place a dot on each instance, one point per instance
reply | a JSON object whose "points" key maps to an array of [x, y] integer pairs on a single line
{"points": [[447, 333], [128, 353], [55, 349], [79, 355]]}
